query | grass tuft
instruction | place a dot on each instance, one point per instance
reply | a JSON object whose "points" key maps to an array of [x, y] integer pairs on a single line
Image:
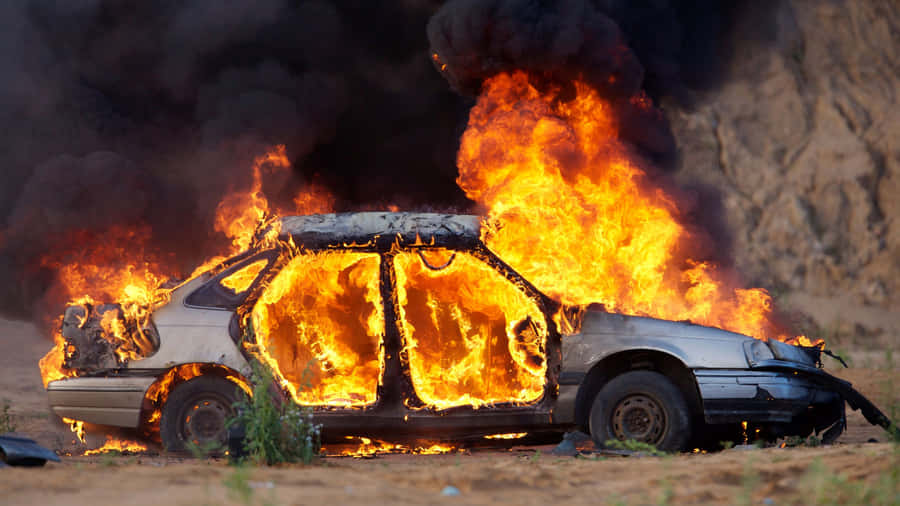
{"points": [[7, 421], [275, 432], [635, 446], [238, 485]]}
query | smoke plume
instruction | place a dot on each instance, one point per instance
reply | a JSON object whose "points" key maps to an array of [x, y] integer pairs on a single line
{"points": [[145, 114], [620, 47]]}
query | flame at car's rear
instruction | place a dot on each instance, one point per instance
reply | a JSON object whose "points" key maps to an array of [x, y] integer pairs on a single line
{"points": [[121, 269], [572, 210]]}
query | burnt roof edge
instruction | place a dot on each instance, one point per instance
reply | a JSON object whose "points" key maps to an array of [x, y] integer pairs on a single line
{"points": [[430, 228]]}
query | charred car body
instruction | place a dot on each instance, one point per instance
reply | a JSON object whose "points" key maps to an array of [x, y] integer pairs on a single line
{"points": [[406, 325]]}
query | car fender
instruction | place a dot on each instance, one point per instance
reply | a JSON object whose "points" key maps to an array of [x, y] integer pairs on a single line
{"points": [[603, 334], [192, 335]]}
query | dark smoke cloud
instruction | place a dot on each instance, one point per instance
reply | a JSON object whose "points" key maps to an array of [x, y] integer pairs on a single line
{"points": [[146, 113], [565, 39], [620, 47]]}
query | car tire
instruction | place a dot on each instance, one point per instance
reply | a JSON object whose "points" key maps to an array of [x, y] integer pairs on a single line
{"points": [[196, 412], [644, 406]]}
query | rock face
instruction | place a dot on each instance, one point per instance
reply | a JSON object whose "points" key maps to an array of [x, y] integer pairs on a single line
{"points": [[803, 142]]}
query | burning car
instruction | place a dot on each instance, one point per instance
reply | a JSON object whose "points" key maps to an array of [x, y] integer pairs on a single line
{"points": [[406, 324]]}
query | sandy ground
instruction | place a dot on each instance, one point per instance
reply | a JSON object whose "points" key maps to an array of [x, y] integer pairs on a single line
{"points": [[518, 475]]}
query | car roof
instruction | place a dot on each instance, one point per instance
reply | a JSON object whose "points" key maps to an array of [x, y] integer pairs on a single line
{"points": [[382, 229]]}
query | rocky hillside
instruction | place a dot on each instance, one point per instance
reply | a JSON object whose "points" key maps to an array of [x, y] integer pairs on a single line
{"points": [[803, 141]]}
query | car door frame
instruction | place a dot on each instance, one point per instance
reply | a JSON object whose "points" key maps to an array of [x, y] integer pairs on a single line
{"points": [[390, 416]]}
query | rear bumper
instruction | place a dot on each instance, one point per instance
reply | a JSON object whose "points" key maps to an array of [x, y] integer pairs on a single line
{"points": [[113, 401]]}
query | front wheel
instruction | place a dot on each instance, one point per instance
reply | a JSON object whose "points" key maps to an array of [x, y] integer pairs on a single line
{"points": [[196, 412], [644, 406]]}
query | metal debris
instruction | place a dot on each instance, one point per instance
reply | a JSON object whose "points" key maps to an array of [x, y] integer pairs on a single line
{"points": [[20, 451]]}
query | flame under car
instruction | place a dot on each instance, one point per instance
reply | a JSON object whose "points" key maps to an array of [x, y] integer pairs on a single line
{"points": [[397, 325]]}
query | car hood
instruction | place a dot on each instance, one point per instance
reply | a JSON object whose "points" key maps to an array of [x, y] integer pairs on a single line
{"points": [[603, 334]]}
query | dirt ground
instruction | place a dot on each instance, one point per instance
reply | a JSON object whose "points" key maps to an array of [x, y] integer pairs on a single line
{"points": [[842, 473]]}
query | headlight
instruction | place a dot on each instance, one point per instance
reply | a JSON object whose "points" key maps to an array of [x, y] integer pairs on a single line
{"points": [[791, 353], [757, 351]]}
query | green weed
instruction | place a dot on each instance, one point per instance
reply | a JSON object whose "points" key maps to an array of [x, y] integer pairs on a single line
{"points": [[238, 485], [205, 450], [617, 501], [666, 492], [749, 483], [635, 446], [821, 486], [7, 422], [795, 441], [275, 433], [110, 459], [889, 388]]}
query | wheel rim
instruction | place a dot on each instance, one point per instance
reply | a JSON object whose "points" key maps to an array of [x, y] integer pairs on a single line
{"points": [[203, 420], [639, 417]]}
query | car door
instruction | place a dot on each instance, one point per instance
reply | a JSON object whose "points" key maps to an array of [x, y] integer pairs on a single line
{"points": [[319, 324], [471, 335]]}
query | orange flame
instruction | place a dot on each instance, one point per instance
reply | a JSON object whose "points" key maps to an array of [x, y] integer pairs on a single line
{"points": [[118, 445], [105, 273], [465, 349], [77, 427], [572, 210], [52, 364], [361, 447], [313, 200], [511, 435], [319, 354], [240, 214], [241, 280]]}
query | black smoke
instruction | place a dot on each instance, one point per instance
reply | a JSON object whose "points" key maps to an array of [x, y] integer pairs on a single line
{"points": [[671, 51], [147, 113], [620, 47]]}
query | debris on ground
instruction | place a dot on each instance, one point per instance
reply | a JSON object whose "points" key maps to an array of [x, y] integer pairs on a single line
{"points": [[16, 450], [450, 490]]}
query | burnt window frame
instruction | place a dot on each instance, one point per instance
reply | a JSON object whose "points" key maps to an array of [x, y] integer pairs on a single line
{"points": [[281, 259], [223, 299], [545, 304]]}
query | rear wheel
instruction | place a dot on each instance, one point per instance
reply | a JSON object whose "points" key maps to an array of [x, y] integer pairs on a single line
{"points": [[644, 406], [196, 412]]}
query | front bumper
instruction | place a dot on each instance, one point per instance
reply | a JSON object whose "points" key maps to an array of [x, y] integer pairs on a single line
{"points": [[797, 397], [786, 397]]}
